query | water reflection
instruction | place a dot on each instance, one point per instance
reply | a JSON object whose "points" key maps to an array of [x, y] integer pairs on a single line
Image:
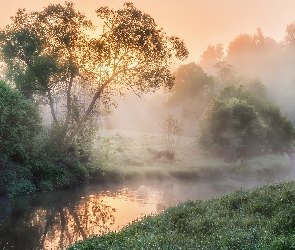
{"points": [[58, 219], [62, 226]]}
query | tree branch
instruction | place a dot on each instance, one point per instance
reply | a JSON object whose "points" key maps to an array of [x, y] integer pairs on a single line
{"points": [[90, 107]]}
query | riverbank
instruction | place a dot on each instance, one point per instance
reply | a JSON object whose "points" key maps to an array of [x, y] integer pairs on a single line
{"points": [[58, 219], [120, 156], [260, 218]]}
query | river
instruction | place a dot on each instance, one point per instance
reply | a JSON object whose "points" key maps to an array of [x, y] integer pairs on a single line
{"points": [[58, 219]]}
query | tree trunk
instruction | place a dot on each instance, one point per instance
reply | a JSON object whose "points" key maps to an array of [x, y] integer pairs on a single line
{"points": [[69, 99], [87, 114], [51, 104]]}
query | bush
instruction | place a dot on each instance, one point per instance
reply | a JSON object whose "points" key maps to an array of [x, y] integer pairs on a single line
{"points": [[22, 188], [239, 124], [232, 129], [54, 142], [11, 175], [19, 124], [51, 173]]}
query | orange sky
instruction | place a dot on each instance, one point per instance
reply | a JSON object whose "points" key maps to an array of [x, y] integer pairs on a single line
{"points": [[198, 22]]}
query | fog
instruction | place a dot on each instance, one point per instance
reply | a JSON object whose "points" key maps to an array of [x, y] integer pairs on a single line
{"points": [[250, 55], [170, 164]]}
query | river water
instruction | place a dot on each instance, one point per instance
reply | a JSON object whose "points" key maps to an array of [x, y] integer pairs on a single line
{"points": [[60, 218]]}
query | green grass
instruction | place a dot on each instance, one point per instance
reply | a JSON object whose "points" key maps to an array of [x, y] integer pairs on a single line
{"points": [[260, 218]]}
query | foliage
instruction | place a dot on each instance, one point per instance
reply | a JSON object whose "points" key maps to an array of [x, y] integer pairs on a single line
{"points": [[232, 129], [22, 188], [225, 72], [15, 180], [261, 218], [280, 130], [239, 124], [19, 124], [193, 90], [49, 143], [52, 52], [212, 55], [255, 86], [246, 51], [54, 173]]}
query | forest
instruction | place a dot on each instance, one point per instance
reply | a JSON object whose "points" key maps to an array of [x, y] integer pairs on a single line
{"points": [[230, 114]]}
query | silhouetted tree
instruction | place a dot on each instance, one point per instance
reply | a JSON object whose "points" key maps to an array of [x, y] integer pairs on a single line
{"points": [[210, 57], [255, 55], [49, 51]]}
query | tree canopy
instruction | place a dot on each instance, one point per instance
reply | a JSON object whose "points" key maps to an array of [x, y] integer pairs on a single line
{"points": [[241, 124], [212, 55], [193, 90], [49, 54], [19, 124]]}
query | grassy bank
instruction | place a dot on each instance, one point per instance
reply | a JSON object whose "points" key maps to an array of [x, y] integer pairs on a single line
{"points": [[120, 156], [260, 218], [123, 155]]}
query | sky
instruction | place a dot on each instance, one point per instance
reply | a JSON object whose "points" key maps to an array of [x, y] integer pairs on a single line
{"points": [[198, 22]]}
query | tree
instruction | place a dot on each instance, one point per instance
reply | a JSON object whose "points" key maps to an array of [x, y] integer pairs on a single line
{"points": [[52, 53], [42, 51], [232, 129], [254, 85], [210, 57], [240, 124], [256, 55], [288, 53], [225, 72], [19, 124], [193, 90], [289, 39]]}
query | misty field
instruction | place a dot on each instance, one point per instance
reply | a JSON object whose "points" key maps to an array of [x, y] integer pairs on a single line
{"points": [[127, 155]]}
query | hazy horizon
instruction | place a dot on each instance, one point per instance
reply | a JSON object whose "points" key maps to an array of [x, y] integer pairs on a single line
{"points": [[198, 22]]}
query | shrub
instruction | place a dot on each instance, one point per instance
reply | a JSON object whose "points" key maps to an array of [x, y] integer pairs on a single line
{"points": [[172, 130], [53, 141], [19, 124], [239, 124], [22, 188], [11, 175], [232, 129]]}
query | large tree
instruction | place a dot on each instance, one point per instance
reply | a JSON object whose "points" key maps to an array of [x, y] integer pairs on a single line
{"points": [[212, 55], [193, 90], [255, 55], [50, 53]]}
